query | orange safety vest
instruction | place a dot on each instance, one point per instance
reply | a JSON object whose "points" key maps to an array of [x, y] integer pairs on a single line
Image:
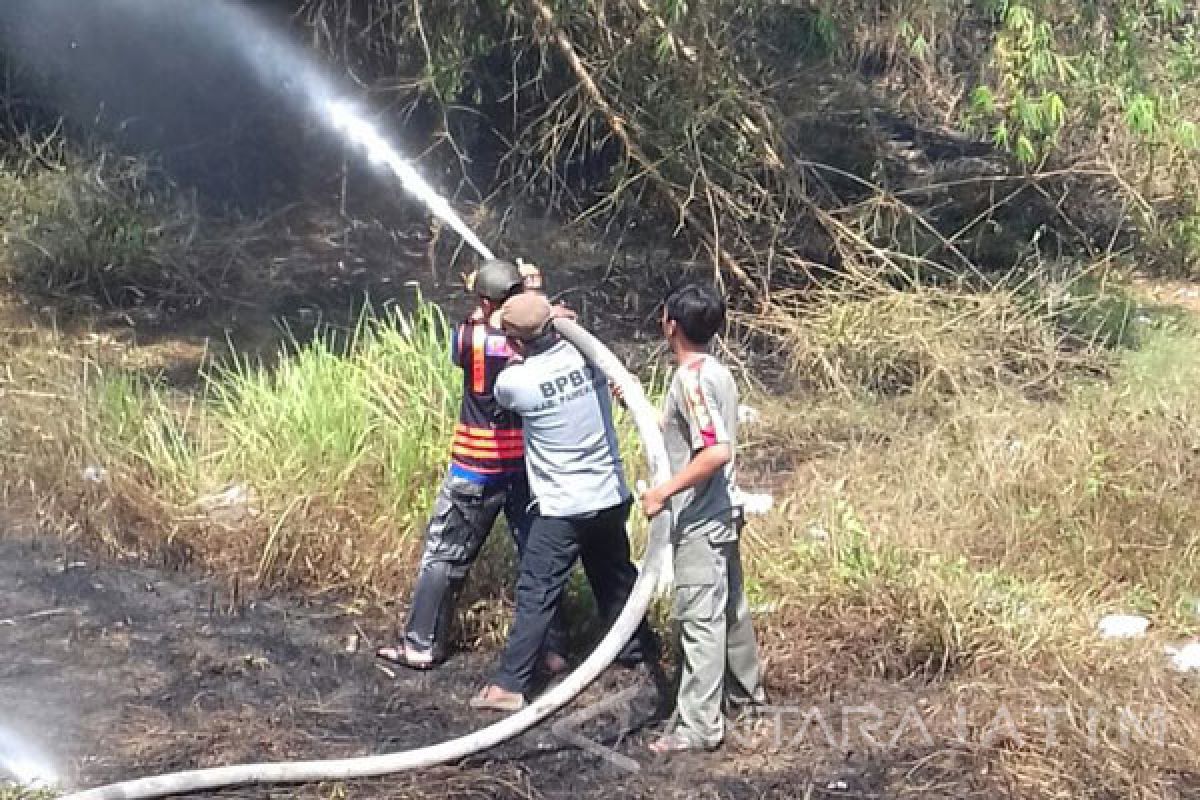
{"points": [[487, 440]]}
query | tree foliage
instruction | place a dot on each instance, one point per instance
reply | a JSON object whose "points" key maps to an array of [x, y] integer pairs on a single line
{"points": [[758, 114], [771, 129]]}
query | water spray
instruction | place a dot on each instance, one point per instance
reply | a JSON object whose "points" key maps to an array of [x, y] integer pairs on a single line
{"points": [[51, 37], [351, 124], [24, 763], [284, 67]]}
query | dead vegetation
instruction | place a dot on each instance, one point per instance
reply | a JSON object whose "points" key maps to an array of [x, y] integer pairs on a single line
{"points": [[980, 444], [964, 545], [91, 234], [944, 527]]}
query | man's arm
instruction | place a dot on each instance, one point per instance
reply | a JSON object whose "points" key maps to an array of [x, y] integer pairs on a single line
{"points": [[712, 446], [503, 390], [703, 466]]}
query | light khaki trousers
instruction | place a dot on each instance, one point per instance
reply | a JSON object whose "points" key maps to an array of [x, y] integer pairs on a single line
{"points": [[720, 658]]}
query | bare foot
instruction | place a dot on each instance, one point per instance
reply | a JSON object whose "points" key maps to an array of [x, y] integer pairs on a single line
{"points": [[555, 664]]}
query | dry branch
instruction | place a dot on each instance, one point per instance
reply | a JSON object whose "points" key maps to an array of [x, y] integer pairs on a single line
{"points": [[616, 123]]}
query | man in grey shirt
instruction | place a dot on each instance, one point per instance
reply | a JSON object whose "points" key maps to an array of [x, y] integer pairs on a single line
{"points": [[578, 484], [720, 660], [701, 412]]}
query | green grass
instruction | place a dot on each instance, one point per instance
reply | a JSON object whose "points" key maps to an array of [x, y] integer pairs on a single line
{"points": [[336, 450], [1164, 370], [382, 402], [19, 793], [139, 418], [963, 536]]}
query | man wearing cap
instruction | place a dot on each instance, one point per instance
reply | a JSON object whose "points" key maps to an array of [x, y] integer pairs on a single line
{"points": [[487, 474], [579, 490]]}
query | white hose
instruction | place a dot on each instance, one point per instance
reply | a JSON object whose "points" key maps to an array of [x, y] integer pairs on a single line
{"points": [[654, 564]]}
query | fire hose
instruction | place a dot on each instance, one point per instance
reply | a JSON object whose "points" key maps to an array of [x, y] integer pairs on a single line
{"points": [[655, 565]]}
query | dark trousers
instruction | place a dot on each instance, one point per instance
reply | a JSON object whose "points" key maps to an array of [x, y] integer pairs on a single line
{"points": [[554, 544], [463, 516]]}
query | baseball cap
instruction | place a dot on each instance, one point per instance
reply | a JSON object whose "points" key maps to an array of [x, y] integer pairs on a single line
{"points": [[526, 315], [497, 279]]}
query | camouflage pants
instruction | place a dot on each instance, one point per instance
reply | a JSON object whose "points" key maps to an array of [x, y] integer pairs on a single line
{"points": [[463, 516]]}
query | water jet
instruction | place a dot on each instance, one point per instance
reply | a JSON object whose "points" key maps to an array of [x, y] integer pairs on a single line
{"points": [[285, 68], [24, 763]]}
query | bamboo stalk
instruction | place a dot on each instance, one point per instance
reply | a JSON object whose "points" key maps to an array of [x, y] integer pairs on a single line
{"points": [[616, 123]]}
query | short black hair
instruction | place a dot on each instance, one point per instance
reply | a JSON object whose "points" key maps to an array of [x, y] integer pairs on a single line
{"points": [[699, 310]]}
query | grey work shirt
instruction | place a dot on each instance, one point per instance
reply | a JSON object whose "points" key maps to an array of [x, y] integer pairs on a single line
{"points": [[700, 412], [571, 449]]}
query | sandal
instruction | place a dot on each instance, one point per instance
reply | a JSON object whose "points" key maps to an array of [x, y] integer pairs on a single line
{"points": [[676, 743], [489, 700], [401, 658]]}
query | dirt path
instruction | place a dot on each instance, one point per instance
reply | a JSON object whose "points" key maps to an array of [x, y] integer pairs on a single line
{"points": [[117, 672]]}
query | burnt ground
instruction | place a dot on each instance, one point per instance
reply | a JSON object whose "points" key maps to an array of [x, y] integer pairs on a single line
{"points": [[122, 671]]}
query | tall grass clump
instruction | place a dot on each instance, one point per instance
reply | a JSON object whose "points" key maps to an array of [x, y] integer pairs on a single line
{"points": [[381, 402], [313, 470], [13, 792], [927, 341], [957, 539], [141, 418], [90, 230], [112, 231]]}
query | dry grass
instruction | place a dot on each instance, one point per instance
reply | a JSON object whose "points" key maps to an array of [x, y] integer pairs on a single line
{"points": [[17, 793], [941, 530], [967, 543], [91, 234], [114, 231], [923, 342]]}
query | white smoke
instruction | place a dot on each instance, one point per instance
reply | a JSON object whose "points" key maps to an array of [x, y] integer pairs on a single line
{"points": [[23, 762]]}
